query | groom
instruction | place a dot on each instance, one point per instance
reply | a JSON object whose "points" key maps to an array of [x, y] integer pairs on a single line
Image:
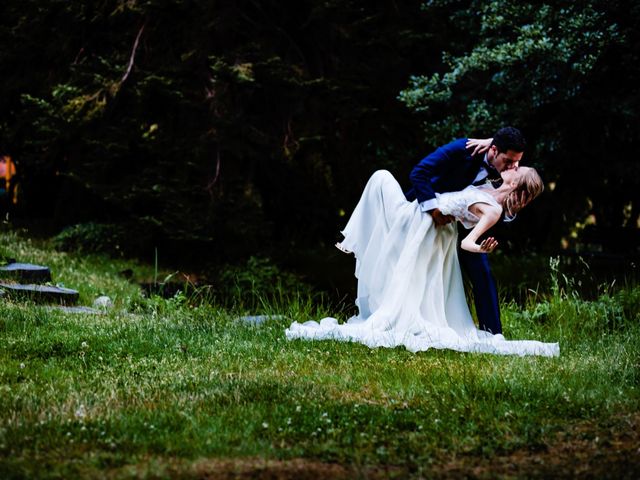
{"points": [[451, 168]]}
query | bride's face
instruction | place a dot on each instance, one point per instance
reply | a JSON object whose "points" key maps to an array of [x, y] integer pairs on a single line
{"points": [[511, 176]]}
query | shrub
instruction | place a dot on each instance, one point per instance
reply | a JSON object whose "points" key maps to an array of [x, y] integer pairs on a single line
{"points": [[257, 282], [91, 237]]}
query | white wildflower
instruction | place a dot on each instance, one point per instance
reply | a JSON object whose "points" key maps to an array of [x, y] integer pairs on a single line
{"points": [[81, 412]]}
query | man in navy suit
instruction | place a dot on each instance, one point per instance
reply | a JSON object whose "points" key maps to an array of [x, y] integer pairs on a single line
{"points": [[451, 168]]}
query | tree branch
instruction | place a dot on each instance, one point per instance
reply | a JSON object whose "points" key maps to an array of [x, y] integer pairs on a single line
{"points": [[133, 54], [213, 182]]}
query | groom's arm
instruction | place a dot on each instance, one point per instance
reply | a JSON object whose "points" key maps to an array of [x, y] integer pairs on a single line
{"points": [[433, 166]]}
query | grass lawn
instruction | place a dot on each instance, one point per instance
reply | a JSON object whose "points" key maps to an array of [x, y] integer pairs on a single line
{"points": [[160, 388]]}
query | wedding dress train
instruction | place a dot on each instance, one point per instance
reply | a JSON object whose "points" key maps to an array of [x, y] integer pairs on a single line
{"points": [[410, 289]]}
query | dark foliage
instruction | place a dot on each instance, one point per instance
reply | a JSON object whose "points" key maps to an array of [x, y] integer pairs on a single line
{"points": [[567, 74], [223, 129], [240, 124]]}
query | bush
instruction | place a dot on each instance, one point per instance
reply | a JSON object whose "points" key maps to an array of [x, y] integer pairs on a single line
{"points": [[259, 282], [94, 238]]}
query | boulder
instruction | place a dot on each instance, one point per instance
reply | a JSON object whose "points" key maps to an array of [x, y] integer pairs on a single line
{"points": [[40, 293], [25, 272]]}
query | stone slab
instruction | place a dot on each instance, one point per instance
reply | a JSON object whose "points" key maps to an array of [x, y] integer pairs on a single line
{"points": [[40, 293], [26, 272]]}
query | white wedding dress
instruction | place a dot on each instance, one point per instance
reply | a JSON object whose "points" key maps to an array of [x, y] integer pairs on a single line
{"points": [[410, 289]]}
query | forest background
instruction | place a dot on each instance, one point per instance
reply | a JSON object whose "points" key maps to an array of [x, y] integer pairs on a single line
{"points": [[230, 140], [212, 131]]}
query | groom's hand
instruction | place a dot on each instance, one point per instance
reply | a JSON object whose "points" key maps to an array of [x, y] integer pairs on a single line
{"points": [[439, 218]]}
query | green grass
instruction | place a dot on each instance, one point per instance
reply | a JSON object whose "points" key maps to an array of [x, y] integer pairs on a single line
{"points": [[154, 382]]}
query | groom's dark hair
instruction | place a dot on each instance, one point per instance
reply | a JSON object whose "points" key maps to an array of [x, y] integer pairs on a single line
{"points": [[509, 138]]}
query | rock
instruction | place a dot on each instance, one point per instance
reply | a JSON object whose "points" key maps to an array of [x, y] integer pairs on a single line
{"points": [[103, 302], [40, 293], [26, 272]]}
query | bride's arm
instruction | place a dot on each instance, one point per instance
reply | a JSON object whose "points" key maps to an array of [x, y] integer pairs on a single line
{"points": [[489, 216]]}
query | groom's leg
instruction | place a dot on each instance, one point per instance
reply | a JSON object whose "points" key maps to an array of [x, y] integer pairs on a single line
{"points": [[485, 294]]}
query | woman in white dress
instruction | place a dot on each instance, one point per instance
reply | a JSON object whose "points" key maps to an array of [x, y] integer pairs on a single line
{"points": [[410, 289]]}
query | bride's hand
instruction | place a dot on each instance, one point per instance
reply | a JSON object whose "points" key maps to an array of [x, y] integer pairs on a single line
{"points": [[488, 245], [479, 145]]}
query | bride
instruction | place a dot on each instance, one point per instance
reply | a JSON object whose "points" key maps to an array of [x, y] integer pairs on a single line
{"points": [[410, 289]]}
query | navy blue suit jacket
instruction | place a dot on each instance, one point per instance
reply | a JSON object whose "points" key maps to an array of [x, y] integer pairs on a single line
{"points": [[449, 169]]}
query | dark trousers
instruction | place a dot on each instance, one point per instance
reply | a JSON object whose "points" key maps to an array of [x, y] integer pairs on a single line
{"points": [[485, 293]]}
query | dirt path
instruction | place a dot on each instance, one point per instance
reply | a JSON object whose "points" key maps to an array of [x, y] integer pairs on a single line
{"points": [[587, 450]]}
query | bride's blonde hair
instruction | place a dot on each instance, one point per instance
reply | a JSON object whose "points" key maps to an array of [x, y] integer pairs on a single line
{"points": [[529, 182]]}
